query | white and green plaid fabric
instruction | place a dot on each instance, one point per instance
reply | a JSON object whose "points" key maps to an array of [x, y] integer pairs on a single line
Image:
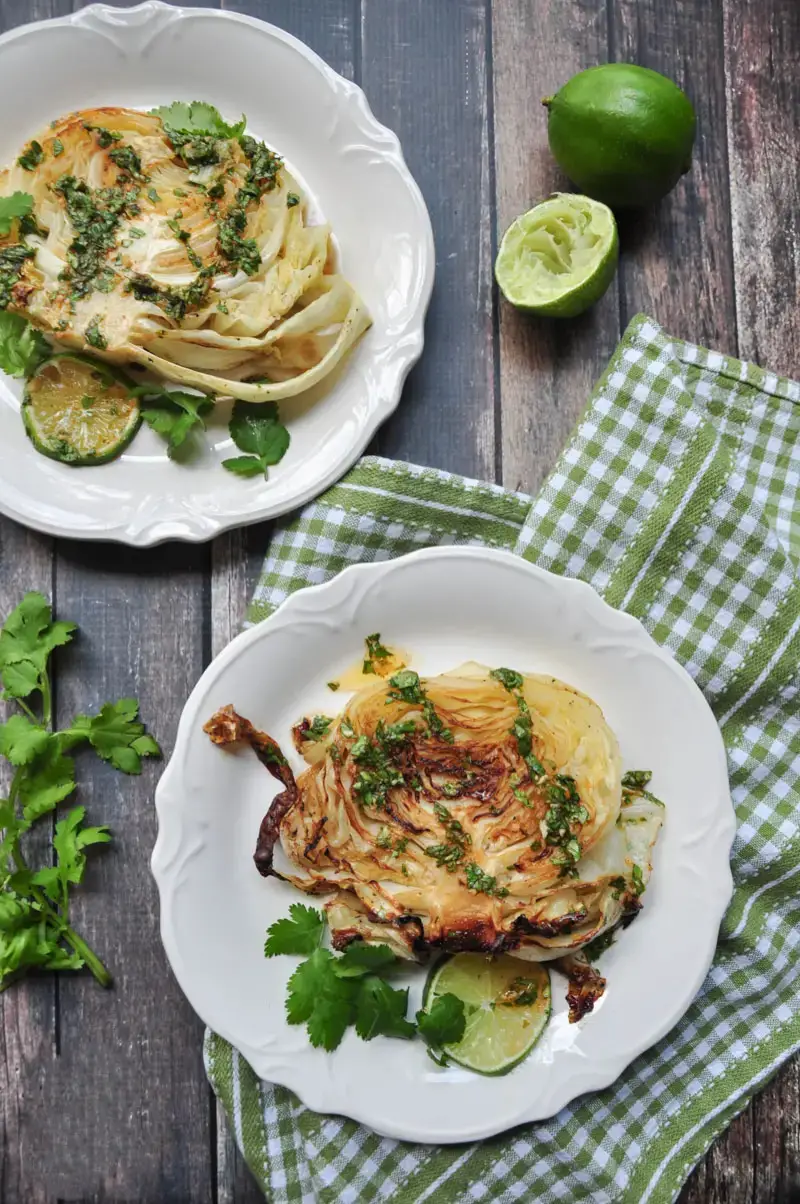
{"points": [[678, 499]]}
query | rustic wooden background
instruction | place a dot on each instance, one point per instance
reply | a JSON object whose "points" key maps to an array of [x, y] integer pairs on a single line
{"points": [[102, 1094]]}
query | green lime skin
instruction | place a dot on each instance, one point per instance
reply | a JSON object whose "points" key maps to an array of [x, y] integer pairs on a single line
{"points": [[623, 134]]}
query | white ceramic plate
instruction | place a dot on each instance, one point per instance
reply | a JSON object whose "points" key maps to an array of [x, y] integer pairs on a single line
{"points": [[352, 169], [444, 606]]}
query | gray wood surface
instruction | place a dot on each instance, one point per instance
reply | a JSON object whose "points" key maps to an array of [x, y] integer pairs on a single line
{"points": [[102, 1095]]}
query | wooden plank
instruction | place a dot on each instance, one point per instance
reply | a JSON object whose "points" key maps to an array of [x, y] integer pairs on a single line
{"points": [[677, 266], [28, 1049], [676, 261], [330, 28], [28, 1009], [547, 367], [133, 1115], [424, 70], [762, 49]]}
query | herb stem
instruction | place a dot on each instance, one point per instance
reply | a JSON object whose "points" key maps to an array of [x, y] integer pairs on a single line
{"points": [[24, 706], [47, 701]]}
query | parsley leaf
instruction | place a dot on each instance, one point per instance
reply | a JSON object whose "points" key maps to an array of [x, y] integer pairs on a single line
{"points": [[27, 638], [21, 347], [321, 1000], [256, 429], [175, 415], [444, 1024], [381, 1010], [359, 959], [300, 934], [197, 117], [116, 735], [19, 204]]}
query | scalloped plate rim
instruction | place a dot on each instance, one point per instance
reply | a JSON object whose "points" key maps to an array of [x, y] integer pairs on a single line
{"points": [[353, 583], [408, 347]]}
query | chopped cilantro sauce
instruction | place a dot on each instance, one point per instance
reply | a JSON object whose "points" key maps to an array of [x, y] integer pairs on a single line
{"points": [[565, 811], [32, 156], [95, 214]]}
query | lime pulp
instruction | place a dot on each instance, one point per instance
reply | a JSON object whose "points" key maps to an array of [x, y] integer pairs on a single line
{"points": [[79, 411], [560, 257], [507, 1007]]}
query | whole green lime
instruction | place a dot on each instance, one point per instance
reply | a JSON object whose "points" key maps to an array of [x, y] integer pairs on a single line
{"points": [[623, 134]]}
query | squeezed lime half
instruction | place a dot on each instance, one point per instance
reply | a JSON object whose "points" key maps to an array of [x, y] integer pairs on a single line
{"points": [[79, 411], [560, 257], [507, 1006]]}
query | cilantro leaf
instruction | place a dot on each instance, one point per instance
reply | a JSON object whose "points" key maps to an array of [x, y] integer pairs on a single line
{"points": [[69, 842], [19, 204], [359, 959], [47, 780], [117, 736], [300, 934], [197, 117], [21, 347], [174, 415], [244, 466], [381, 1010], [444, 1024], [321, 1000], [15, 913], [256, 429], [21, 740], [27, 638]]}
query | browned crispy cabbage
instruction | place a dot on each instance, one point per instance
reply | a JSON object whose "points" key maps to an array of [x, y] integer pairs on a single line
{"points": [[426, 825]]}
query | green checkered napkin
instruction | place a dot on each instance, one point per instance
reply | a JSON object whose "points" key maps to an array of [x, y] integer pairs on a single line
{"points": [[678, 499]]}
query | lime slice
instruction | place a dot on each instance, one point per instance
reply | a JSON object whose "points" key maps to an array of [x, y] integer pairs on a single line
{"points": [[79, 411], [560, 257], [507, 1005]]}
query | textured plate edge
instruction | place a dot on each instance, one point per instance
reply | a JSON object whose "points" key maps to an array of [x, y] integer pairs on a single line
{"points": [[580, 1081], [408, 348]]}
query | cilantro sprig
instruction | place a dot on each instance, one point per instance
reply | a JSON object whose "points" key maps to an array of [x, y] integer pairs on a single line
{"points": [[22, 348], [330, 993], [35, 932], [256, 429], [175, 415], [198, 118]]}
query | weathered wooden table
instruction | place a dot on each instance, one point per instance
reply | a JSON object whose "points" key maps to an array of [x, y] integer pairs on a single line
{"points": [[102, 1094]]}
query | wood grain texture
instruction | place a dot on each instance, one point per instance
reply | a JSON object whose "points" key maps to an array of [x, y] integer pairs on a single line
{"points": [[129, 1058], [762, 53], [547, 368], [676, 262], [424, 70], [28, 1010], [330, 27]]}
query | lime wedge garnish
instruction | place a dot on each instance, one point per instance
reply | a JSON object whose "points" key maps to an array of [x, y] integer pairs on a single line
{"points": [[506, 1002], [79, 411], [560, 257]]}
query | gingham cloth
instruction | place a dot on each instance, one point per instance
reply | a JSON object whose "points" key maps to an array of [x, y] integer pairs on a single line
{"points": [[677, 499]]}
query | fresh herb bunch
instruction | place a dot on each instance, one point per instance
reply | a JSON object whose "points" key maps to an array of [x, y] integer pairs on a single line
{"points": [[34, 904], [329, 992]]}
